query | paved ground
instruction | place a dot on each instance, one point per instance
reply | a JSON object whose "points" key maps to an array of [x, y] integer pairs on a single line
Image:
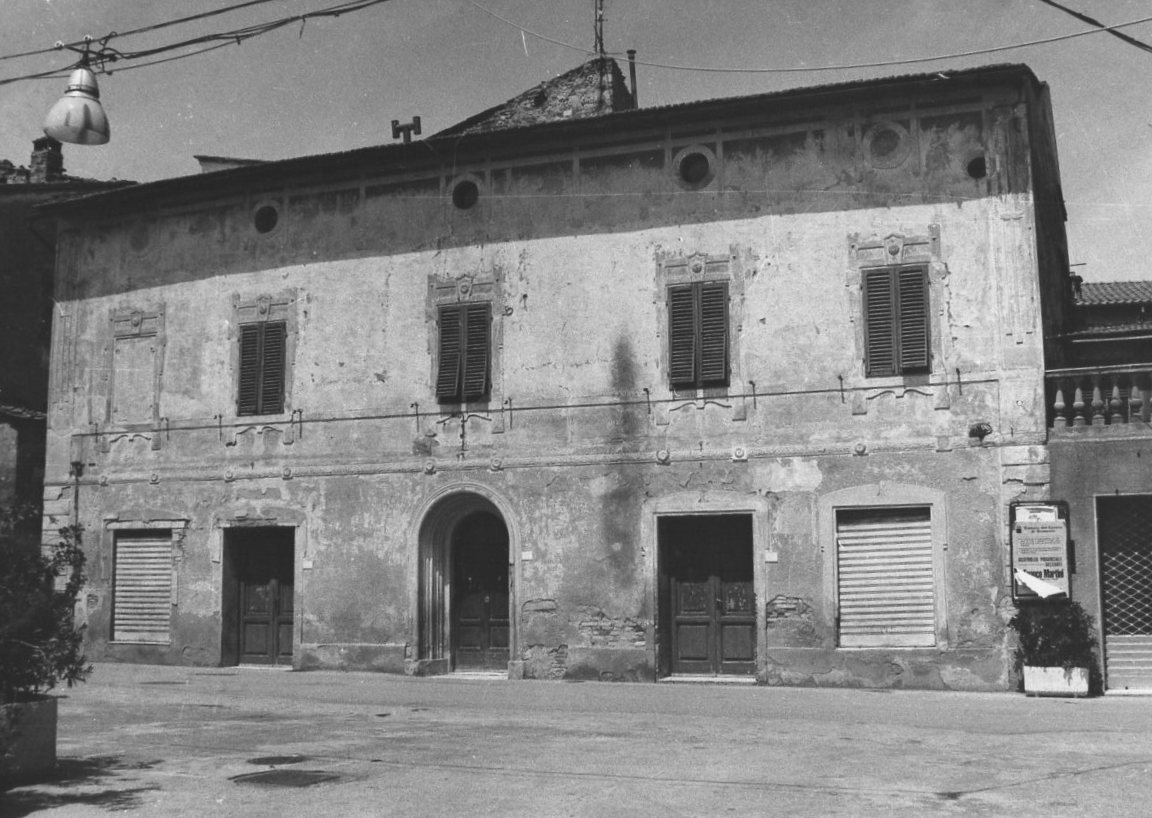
{"points": [[180, 741]]}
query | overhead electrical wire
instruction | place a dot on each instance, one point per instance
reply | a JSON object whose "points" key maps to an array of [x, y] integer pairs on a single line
{"points": [[102, 55], [812, 68], [1143, 46], [143, 29]]}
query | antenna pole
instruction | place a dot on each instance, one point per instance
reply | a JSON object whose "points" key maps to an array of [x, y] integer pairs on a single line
{"points": [[599, 28]]}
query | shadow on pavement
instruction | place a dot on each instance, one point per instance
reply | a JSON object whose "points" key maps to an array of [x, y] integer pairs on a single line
{"points": [[80, 781]]}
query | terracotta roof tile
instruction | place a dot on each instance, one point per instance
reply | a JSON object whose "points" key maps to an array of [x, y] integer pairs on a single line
{"points": [[1115, 292]]}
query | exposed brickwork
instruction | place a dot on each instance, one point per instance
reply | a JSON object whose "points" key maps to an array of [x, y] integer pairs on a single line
{"points": [[595, 88]]}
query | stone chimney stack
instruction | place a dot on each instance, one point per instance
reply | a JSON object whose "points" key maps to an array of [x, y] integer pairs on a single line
{"points": [[47, 163]]}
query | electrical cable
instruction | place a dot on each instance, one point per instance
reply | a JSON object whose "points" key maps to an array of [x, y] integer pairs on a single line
{"points": [[142, 29], [808, 69], [104, 55], [1143, 46]]}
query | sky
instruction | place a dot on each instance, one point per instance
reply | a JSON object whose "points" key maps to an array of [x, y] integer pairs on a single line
{"points": [[336, 84]]}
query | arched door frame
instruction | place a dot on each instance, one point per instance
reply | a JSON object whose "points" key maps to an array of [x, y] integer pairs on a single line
{"points": [[432, 531]]}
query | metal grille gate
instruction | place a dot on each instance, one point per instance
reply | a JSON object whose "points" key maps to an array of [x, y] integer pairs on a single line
{"points": [[1124, 526]]}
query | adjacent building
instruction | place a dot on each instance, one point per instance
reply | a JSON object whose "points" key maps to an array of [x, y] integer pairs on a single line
{"points": [[27, 251], [1099, 406], [577, 390]]}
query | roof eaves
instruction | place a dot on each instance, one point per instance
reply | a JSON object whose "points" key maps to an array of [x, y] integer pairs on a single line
{"points": [[419, 153]]}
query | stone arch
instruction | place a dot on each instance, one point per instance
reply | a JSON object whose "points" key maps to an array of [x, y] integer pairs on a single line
{"points": [[436, 530]]}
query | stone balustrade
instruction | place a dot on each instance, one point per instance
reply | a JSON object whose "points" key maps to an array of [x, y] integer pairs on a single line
{"points": [[1101, 396]]}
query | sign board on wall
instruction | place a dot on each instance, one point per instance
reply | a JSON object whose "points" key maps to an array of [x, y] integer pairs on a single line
{"points": [[1040, 556]]}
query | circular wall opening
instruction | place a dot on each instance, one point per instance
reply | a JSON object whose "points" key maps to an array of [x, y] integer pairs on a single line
{"points": [[887, 145], [465, 194], [694, 166], [694, 169], [977, 167], [265, 218]]}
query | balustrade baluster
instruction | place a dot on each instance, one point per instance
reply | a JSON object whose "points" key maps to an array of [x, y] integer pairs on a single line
{"points": [[1115, 405], [1097, 402], [1079, 416], [1059, 420], [1139, 401]]}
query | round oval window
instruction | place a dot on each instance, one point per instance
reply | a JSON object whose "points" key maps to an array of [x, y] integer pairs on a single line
{"points": [[465, 194], [695, 169], [265, 218]]}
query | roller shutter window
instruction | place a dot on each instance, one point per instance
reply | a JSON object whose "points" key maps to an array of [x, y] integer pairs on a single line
{"points": [[142, 586], [464, 361], [698, 335], [896, 321], [885, 580], [263, 358]]}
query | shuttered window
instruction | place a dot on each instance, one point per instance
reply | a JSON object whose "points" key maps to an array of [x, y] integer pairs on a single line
{"points": [[896, 321], [263, 352], [142, 586], [465, 353], [885, 579], [698, 335]]}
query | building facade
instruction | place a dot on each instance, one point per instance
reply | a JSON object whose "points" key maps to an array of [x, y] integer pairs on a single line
{"points": [[1099, 408], [738, 387]]}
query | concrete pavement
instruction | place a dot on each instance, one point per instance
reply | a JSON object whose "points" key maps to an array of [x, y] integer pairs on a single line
{"points": [[247, 742]]}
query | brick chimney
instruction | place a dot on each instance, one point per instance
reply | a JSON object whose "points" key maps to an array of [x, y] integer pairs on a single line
{"points": [[47, 163]]}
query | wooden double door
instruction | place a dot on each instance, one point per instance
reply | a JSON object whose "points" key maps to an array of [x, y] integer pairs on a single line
{"points": [[259, 607], [707, 598], [480, 619]]}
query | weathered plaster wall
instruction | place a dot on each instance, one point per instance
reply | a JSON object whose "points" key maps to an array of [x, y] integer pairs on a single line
{"points": [[582, 430], [1096, 463]]}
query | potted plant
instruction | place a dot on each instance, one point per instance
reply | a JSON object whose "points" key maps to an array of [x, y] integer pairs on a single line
{"points": [[1056, 649], [40, 644]]}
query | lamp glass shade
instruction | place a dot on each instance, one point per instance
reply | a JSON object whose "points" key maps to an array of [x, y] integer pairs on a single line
{"points": [[78, 117]]}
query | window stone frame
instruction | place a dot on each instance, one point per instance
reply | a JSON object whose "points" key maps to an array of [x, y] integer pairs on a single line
{"points": [[264, 308], [467, 288], [130, 324], [694, 268], [898, 250]]}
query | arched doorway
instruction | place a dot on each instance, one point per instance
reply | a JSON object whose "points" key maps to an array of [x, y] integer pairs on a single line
{"points": [[465, 586]]}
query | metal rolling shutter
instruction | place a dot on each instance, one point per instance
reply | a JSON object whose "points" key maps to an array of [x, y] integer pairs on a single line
{"points": [[142, 592], [885, 579]]}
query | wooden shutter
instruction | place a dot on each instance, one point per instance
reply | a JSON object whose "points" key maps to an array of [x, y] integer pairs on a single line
{"points": [[248, 391], [895, 321], [142, 587], [682, 336], [885, 579], [879, 324], [263, 358], [912, 301], [451, 352], [272, 368], [713, 333], [476, 347]]}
